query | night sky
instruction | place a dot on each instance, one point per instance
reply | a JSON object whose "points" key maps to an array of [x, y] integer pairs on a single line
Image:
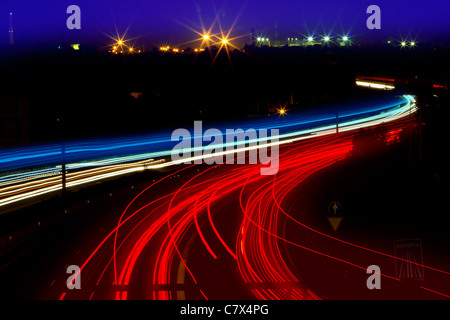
{"points": [[158, 22]]}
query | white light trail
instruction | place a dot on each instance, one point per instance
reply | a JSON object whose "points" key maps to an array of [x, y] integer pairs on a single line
{"points": [[21, 187]]}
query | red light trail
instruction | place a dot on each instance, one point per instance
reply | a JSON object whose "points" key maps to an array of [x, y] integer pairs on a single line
{"points": [[158, 231]]}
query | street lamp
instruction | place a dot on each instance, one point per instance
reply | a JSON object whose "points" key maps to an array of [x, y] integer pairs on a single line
{"points": [[281, 111]]}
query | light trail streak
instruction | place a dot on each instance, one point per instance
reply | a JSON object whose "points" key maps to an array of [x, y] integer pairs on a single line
{"points": [[20, 189], [27, 190], [375, 85], [164, 223]]}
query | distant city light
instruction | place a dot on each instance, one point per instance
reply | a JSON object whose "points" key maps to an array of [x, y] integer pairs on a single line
{"points": [[258, 39], [281, 111], [75, 47], [413, 43]]}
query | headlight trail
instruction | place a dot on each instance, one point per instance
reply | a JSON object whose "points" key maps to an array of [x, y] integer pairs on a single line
{"points": [[98, 160]]}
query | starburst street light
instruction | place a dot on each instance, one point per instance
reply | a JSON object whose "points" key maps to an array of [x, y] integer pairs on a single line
{"points": [[345, 38], [282, 111], [120, 45], [310, 39], [326, 38], [403, 43], [209, 38]]}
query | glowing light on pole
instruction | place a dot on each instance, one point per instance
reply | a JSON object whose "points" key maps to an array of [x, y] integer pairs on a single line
{"points": [[282, 111]]}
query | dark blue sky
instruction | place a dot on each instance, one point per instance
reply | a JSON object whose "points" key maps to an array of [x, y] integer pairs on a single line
{"points": [[158, 21]]}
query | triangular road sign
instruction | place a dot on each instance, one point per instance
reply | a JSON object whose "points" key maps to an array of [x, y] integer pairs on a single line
{"points": [[335, 222]]}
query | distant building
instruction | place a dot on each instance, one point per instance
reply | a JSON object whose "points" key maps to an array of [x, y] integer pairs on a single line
{"points": [[294, 42], [262, 41]]}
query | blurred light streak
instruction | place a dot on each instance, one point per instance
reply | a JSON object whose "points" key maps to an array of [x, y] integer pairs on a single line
{"points": [[374, 85], [259, 258], [115, 166]]}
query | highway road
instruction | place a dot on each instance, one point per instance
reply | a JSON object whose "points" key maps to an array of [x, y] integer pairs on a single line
{"points": [[223, 232]]}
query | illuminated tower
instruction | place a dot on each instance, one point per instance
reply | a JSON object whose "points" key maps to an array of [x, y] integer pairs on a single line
{"points": [[11, 30]]}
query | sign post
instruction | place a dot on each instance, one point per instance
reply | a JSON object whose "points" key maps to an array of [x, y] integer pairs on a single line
{"points": [[335, 214], [408, 266]]}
